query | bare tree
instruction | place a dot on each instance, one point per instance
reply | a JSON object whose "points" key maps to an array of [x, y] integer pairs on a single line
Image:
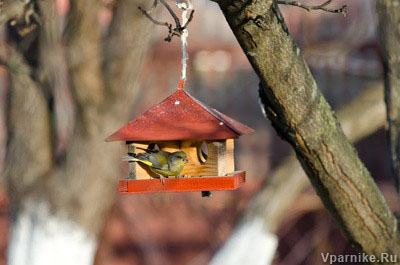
{"points": [[61, 191]]}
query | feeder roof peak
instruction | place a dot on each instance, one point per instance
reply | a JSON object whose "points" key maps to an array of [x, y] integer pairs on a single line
{"points": [[180, 117]]}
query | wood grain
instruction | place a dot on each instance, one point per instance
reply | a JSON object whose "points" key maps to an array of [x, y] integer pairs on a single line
{"points": [[132, 165], [230, 156], [220, 160]]}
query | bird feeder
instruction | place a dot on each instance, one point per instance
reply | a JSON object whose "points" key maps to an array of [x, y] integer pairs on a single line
{"points": [[181, 122]]}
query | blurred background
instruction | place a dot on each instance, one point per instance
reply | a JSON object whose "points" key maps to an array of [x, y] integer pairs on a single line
{"points": [[184, 228]]}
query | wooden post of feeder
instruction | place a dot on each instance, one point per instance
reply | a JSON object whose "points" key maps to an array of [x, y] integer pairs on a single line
{"points": [[132, 165], [220, 150], [230, 160]]}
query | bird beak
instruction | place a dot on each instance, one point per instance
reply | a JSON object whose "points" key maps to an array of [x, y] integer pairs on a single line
{"points": [[185, 160]]}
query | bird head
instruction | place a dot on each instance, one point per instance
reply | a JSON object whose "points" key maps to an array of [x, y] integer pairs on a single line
{"points": [[180, 156]]}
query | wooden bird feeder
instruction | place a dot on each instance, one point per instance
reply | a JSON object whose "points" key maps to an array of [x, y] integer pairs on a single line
{"points": [[182, 122]]}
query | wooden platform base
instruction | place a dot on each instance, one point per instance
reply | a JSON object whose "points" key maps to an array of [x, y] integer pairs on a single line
{"points": [[230, 182]]}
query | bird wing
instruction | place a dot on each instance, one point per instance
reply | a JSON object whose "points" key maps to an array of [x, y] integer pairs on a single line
{"points": [[156, 160]]}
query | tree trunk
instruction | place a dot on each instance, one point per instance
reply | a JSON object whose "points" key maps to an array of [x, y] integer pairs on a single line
{"points": [[262, 217], [389, 32], [61, 194], [300, 114]]}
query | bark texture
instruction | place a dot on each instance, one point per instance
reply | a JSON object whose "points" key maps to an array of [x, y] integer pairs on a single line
{"points": [[300, 114], [389, 32], [78, 179], [359, 118]]}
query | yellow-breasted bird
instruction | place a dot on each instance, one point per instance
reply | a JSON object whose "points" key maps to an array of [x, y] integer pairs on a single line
{"points": [[160, 162]]}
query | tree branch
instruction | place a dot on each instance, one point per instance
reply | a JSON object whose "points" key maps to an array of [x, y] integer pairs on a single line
{"points": [[172, 13], [29, 157], [359, 118], [85, 58], [84, 61], [125, 48], [147, 14], [306, 121], [342, 10], [52, 75], [115, 67]]}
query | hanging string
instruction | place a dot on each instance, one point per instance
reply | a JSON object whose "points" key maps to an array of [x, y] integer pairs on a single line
{"points": [[185, 5]]}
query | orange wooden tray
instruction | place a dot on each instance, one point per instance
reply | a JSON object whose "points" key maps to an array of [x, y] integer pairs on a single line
{"points": [[230, 182]]}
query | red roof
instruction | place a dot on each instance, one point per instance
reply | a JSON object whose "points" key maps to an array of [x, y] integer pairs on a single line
{"points": [[180, 117]]}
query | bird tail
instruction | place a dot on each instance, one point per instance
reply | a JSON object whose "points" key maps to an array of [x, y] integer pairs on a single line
{"points": [[132, 158], [129, 158]]}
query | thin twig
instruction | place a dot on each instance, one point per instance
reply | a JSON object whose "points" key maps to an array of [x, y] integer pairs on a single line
{"points": [[177, 31], [342, 10], [326, 3], [147, 14], [154, 6], [177, 22]]}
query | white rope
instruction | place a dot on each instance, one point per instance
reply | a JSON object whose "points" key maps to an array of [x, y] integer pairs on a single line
{"points": [[185, 5]]}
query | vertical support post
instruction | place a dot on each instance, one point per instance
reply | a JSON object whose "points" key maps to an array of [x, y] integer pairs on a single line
{"points": [[132, 165], [230, 158], [221, 157]]}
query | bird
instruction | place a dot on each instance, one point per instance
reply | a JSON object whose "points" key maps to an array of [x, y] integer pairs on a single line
{"points": [[163, 163]]}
